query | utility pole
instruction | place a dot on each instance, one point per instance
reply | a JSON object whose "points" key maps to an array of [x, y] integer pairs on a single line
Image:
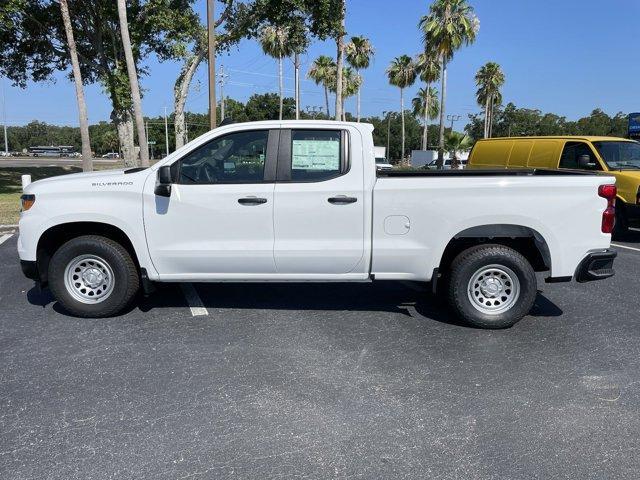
{"points": [[166, 131], [4, 120], [453, 118], [211, 35], [314, 110], [146, 133], [222, 78]]}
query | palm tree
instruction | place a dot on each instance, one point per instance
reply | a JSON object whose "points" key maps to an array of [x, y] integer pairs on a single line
{"points": [[425, 105], [359, 52], [323, 71], [429, 70], [87, 160], [351, 82], [275, 43], [402, 74], [489, 80], [456, 142], [133, 82], [449, 25]]}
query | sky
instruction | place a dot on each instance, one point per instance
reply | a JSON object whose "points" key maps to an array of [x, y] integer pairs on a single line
{"points": [[562, 56]]}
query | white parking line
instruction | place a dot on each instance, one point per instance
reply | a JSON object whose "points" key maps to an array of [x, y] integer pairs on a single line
{"points": [[624, 246], [5, 237], [193, 300]]}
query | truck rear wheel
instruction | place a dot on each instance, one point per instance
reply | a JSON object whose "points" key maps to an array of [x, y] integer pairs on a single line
{"points": [[492, 286], [93, 276]]}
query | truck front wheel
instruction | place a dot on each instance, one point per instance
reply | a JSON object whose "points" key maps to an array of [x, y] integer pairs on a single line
{"points": [[492, 286], [93, 276]]}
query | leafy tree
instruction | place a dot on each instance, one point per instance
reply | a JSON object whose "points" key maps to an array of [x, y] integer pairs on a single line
{"points": [[428, 67], [425, 105], [402, 74], [87, 157], [322, 72], [359, 52], [449, 25], [489, 80], [33, 39], [267, 107]]}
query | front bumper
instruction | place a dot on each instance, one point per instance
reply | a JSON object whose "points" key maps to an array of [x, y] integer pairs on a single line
{"points": [[596, 266]]}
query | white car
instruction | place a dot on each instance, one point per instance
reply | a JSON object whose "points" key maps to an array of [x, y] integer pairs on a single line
{"points": [[303, 201], [111, 155]]}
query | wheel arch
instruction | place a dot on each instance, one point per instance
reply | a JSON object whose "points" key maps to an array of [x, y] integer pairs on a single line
{"points": [[55, 236], [525, 240]]}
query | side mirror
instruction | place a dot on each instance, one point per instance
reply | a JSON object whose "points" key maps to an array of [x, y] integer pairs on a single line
{"points": [[163, 187], [585, 163]]}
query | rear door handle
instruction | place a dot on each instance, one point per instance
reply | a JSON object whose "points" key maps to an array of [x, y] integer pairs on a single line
{"points": [[342, 200], [252, 201]]}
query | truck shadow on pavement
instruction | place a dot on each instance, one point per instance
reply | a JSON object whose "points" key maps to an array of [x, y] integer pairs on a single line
{"points": [[380, 297]]}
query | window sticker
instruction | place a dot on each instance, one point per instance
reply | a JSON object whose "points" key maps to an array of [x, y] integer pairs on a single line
{"points": [[316, 155]]}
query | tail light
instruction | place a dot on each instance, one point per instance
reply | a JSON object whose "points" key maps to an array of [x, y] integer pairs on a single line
{"points": [[608, 192]]}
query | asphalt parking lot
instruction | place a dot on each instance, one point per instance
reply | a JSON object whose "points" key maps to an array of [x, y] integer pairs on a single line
{"points": [[320, 381]]}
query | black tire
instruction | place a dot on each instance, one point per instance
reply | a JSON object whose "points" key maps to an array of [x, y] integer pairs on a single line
{"points": [[126, 280], [467, 265]]}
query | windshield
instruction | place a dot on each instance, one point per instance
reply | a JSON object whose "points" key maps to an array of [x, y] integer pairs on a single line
{"points": [[620, 155], [381, 160]]}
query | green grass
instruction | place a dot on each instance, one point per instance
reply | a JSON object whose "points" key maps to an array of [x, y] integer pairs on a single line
{"points": [[11, 187]]}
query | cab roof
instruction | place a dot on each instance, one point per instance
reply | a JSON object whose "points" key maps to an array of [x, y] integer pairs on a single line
{"points": [[586, 138]]}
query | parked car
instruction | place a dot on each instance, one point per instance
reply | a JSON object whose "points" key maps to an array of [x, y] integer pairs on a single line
{"points": [[303, 201], [111, 155], [617, 157], [433, 165]]}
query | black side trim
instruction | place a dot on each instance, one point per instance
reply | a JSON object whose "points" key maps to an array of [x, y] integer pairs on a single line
{"points": [[596, 266], [134, 170], [471, 172], [284, 157], [434, 281], [557, 279], [30, 269]]}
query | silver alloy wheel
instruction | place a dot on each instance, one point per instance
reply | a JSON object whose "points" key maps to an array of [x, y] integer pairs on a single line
{"points": [[494, 289], [89, 279]]}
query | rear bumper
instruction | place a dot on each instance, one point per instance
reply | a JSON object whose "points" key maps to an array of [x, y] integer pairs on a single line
{"points": [[596, 266]]}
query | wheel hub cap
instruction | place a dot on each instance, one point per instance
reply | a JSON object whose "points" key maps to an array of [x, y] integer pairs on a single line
{"points": [[89, 279], [494, 289]]}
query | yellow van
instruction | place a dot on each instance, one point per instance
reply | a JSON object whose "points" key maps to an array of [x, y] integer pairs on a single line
{"points": [[618, 157]]}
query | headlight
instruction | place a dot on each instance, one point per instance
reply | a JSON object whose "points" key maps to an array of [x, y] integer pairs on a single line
{"points": [[27, 201]]}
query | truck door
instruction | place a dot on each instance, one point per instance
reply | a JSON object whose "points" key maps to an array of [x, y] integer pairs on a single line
{"points": [[219, 217], [318, 204]]}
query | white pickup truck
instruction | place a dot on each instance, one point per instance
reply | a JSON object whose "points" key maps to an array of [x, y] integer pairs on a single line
{"points": [[302, 201]]}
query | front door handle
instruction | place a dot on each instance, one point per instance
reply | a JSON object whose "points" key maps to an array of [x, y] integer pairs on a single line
{"points": [[252, 201], [342, 200]]}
